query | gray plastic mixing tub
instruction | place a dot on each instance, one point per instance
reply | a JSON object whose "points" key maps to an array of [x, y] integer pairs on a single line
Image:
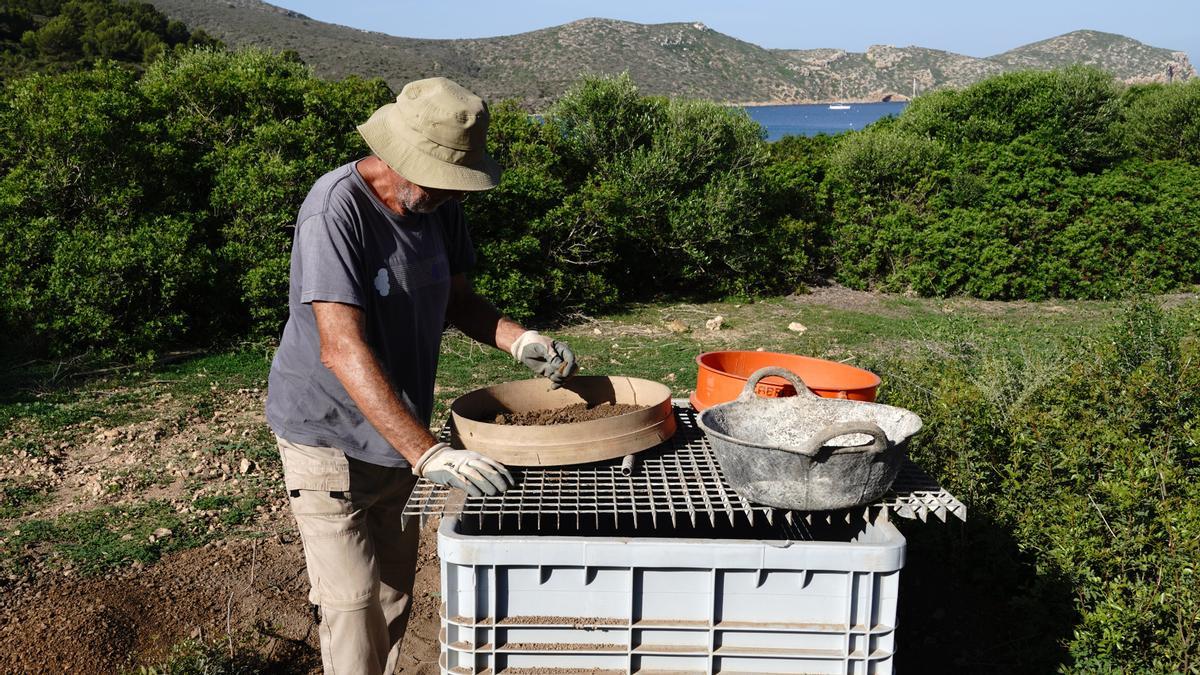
{"points": [[805, 452]]}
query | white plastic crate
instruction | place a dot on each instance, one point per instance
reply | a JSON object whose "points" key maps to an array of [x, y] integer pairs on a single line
{"points": [[692, 601]]}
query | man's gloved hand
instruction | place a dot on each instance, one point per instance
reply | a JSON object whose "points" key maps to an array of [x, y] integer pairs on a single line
{"points": [[546, 357], [463, 469]]}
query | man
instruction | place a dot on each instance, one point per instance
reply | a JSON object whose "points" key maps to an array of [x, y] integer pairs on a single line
{"points": [[378, 266]]}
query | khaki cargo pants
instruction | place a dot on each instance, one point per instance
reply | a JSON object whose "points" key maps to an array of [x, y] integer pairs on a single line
{"points": [[360, 563]]}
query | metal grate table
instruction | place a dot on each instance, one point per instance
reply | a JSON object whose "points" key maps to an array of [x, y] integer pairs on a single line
{"points": [[677, 482]]}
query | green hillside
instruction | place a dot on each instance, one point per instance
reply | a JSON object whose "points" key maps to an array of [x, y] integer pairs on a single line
{"points": [[673, 59]]}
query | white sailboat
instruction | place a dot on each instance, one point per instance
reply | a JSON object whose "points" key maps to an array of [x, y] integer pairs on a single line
{"points": [[838, 106]]}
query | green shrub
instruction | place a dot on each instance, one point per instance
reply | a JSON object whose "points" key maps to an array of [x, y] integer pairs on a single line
{"points": [[501, 220], [90, 259], [1068, 112], [601, 118], [619, 197], [58, 35], [1020, 186], [1082, 464], [128, 288], [137, 214], [256, 130], [1163, 122], [1029, 185]]}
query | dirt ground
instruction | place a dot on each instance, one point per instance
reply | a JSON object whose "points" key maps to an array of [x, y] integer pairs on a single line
{"points": [[254, 590], [245, 591]]}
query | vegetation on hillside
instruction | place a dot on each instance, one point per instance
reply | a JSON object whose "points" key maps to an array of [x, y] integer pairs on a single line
{"points": [[681, 60], [62, 35]]}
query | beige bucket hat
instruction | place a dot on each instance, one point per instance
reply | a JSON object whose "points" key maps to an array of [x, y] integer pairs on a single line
{"points": [[435, 135]]}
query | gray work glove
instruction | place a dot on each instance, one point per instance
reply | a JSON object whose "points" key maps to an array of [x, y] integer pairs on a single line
{"points": [[546, 357], [463, 469]]}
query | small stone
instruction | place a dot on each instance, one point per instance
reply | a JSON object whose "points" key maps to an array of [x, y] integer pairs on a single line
{"points": [[677, 326], [670, 377], [162, 532], [715, 323], [596, 331], [797, 327], [246, 466], [126, 537]]}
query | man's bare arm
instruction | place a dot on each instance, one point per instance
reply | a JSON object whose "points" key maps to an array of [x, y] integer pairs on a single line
{"points": [[479, 319], [344, 350]]}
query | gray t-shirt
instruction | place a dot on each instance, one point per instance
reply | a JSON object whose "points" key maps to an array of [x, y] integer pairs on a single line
{"points": [[350, 248]]}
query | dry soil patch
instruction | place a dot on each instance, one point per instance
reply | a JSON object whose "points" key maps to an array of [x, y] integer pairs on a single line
{"points": [[256, 588]]}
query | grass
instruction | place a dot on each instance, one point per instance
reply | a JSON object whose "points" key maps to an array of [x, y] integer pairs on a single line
{"points": [[98, 540], [259, 449], [231, 509], [244, 652], [39, 409], [18, 497], [41, 406]]}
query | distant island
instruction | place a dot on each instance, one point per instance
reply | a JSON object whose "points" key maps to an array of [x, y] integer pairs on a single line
{"points": [[673, 59]]}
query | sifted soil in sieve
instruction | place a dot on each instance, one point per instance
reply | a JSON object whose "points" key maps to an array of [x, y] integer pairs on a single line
{"points": [[579, 412]]}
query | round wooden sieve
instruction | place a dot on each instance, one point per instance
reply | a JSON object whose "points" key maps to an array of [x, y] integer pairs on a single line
{"points": [[573, 443]]}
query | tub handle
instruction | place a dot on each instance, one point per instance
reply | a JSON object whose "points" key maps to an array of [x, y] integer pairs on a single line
{"points": [[778, 371], [812, 445]]}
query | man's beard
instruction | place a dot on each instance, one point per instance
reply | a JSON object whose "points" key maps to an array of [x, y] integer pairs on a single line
{"points": [[416, 200]]}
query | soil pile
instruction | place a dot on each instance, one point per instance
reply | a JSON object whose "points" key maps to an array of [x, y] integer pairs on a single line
{"points": [[580, 412]]}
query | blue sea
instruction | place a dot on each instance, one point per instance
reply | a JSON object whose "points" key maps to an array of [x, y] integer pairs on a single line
{"points": [[810, 120]]}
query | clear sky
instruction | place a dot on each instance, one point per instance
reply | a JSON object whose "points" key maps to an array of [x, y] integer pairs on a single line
{"points": [[973, 27]]}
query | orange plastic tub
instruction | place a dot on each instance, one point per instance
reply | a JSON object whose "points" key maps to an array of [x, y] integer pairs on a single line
{"points": [[722, 375]]}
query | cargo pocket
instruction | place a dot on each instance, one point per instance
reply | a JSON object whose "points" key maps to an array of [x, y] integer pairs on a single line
{"points": [[337, 553], [317, 479]]}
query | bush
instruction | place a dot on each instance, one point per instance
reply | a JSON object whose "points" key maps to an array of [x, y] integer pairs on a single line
{"points": [[619, 197], [90, 259], [1029, 185], [58, 35], [1021, 186], [1163, 122], [1085, 464], [138, 214], [1068, 112]]}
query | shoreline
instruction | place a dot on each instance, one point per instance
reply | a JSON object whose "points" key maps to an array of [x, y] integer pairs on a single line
{"points": [[763, 104]]}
